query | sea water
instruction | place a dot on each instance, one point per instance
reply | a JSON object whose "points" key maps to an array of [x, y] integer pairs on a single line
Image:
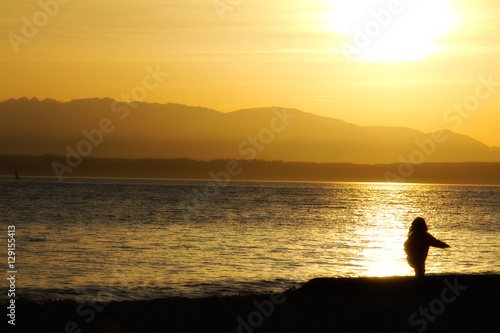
{"points": [[118, 239]]}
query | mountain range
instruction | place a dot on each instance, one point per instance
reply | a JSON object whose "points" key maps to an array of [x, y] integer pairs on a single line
{"points": [[108, 128]]}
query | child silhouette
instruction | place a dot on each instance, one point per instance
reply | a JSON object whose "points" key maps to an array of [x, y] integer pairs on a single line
{"points": [[417, 245]]}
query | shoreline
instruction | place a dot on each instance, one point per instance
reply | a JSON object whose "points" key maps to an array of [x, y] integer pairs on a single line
{"points": [[437, 303], [464, 173], [206, 180]]}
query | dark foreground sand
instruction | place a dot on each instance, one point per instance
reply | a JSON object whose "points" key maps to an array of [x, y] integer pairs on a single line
{"points": [[445, 303]]}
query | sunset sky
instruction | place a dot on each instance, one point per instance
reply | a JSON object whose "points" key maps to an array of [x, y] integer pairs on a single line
{"points": [[413, 62]]}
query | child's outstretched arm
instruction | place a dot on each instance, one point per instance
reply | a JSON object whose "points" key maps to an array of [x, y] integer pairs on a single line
{"points": [[433, 241]]}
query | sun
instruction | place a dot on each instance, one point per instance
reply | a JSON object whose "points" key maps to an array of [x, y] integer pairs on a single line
{"points": [[391, 30]]}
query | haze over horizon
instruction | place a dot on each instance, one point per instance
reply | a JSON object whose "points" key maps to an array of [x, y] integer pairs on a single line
{"points": [[423, 65]]}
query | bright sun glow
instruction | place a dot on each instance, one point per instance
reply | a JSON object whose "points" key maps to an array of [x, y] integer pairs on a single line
{"points": [[385, 30]]}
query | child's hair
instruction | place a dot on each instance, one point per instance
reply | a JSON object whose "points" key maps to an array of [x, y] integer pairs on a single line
{"points": [[418, 225]]}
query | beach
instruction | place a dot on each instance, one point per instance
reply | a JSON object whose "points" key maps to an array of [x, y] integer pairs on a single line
{"points": [[438, 303]]}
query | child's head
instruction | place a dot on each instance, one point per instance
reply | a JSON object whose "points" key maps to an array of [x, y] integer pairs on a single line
{"points": [[418, 225]]}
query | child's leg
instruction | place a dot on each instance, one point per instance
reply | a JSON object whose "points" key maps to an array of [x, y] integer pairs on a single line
{"points": [[419, 268]]}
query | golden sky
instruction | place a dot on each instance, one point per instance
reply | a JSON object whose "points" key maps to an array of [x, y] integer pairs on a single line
{"points": [[422, 64]]}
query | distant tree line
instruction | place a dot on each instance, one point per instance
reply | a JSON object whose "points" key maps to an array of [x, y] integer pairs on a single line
{"points": [[447, 173]]}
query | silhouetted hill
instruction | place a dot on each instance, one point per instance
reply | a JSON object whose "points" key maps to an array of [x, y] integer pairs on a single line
{"points": [[166, 131]]}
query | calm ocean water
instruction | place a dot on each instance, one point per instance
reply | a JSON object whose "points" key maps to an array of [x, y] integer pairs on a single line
{"points": [[130, 239]]}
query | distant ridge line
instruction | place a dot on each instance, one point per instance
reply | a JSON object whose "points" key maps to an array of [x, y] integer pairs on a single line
{"points": [[167, 131]]}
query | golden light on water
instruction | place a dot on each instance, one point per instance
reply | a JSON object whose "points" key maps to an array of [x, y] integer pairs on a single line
{"points": [[384, 258], [279, 233], [378, 242]]}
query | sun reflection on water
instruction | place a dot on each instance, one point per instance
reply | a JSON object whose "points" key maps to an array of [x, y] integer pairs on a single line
{"points": [[380, 238], [255, 237]]}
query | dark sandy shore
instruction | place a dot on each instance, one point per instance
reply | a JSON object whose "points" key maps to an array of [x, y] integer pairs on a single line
{"points": [[444, 303]]}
